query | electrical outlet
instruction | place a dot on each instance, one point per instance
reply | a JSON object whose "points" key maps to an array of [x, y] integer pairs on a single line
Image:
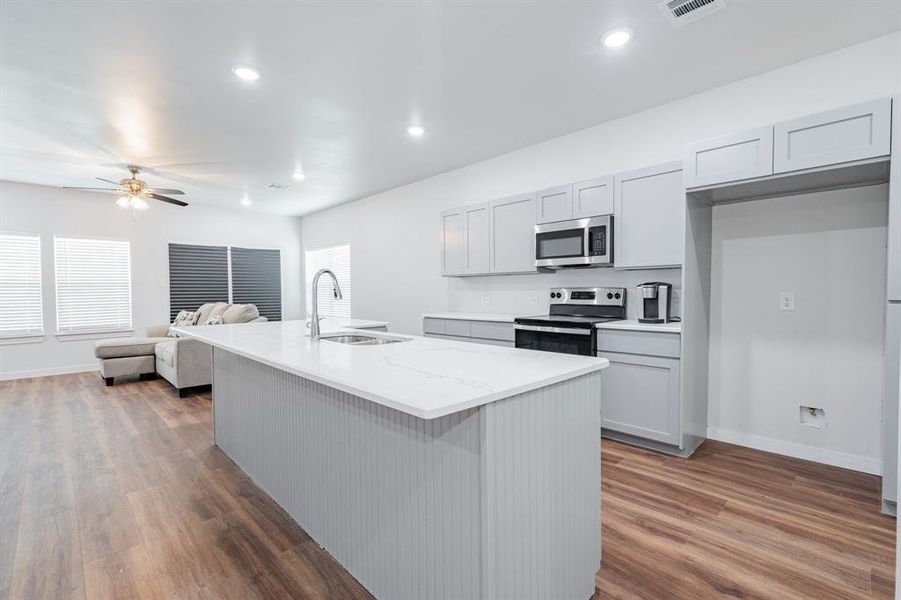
{"points": [[486, 300], [787, 301]]}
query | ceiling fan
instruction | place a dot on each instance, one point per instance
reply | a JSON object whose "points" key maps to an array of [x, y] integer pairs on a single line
{"points": [[133, 191]]}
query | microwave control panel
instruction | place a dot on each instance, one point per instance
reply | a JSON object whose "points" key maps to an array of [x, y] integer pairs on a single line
{"points": [[597, 241]]}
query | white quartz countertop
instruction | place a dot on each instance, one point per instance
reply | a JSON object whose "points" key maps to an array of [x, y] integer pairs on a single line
{"points": [[634, 325], [424, 377], [329, 324], [464, 316]]}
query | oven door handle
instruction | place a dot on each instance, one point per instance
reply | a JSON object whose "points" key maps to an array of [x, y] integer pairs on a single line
{"points": [[545, 329]]}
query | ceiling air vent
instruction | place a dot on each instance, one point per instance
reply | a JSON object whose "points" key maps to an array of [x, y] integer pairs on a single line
{"points": [[683, 12]]}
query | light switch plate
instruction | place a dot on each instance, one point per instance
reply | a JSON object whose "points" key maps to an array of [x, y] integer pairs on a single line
{"points": [[787, 301]]}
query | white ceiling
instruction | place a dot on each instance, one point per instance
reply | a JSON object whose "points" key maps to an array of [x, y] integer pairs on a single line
{"points": [[88, 86]]}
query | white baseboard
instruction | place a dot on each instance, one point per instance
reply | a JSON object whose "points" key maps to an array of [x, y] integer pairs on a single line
{"points": [[820, 455], [8, 375]]}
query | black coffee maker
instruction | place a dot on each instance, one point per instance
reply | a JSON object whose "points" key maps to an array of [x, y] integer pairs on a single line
{"points": [[655, 302]]}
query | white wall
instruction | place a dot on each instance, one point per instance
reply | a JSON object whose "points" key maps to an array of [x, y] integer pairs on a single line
{"points": [[829, 250], [394, 235], [51, 211]]}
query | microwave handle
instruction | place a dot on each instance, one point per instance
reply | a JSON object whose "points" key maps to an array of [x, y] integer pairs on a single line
{"points": [[587, 242]]}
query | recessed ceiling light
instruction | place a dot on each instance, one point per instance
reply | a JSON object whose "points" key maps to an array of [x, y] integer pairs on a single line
{"points": [[415, 131], [246, 73], [617, 38], [245, 201], [299, 176]]}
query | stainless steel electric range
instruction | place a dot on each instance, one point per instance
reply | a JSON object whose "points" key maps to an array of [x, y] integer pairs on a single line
{"points": [[569, 328]]}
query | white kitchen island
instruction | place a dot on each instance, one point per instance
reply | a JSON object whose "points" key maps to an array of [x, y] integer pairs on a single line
{"points": [[430, 469]]}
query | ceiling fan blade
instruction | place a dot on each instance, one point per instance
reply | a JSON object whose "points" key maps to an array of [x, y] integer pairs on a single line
{"points": [[90, 189], [108, 181], [167, 199], [165, 191]]}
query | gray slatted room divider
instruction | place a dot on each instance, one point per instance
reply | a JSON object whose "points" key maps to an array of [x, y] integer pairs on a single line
{"points": [[257, 279], [197, 274]]}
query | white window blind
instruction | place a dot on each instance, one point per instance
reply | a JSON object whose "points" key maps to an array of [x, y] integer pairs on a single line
{"points": [[336, 258], [93, 285], [20, 285]]}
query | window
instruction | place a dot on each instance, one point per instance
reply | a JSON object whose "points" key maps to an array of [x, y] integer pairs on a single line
{"points": [[257, 279], [197, 275], [336, 258], [93, 285], [21, 311], [202, 274]]}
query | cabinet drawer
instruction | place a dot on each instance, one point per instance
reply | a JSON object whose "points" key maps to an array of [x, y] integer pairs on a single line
{"points": [[492, 331], [842, 135], [458, 328], [733, 157], [640, 396], [648, 343], [504, 343], [430, 325]]}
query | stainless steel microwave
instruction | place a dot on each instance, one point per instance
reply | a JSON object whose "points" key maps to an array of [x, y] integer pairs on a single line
{"points": [[578, 243]]}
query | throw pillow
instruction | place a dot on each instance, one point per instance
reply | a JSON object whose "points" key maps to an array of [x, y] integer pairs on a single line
{"points": [[240, 313], [218, 309], [183, 319], [203, 313], [214, 320]]}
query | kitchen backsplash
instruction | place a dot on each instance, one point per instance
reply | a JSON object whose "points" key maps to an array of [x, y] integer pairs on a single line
{"points": [[528, 294]]}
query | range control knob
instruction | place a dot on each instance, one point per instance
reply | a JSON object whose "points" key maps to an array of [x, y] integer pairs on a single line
{"points": [[617, 295], [559, 295], [610, 295], [552, 294]]}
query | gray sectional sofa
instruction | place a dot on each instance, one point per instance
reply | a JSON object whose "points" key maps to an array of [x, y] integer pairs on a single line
{"points": [[183, 362]]}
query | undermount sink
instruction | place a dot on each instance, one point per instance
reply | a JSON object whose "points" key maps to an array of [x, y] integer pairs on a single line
{"points": [[361, 340]]}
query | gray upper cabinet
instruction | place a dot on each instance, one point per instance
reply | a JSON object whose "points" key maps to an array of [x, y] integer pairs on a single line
{"points": [[513, 235], [593, 197], [465, 236], [554, 204], [649, 223], [842, 135], [453, 240], [732, 157], [478, 232]]}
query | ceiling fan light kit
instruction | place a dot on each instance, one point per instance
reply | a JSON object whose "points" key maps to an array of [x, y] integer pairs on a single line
{"points": [[134, 191]]}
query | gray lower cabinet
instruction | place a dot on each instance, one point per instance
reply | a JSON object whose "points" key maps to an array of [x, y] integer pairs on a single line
{"points": [[845, 134], [492, 333], [640, 397], [512, 236], [649, 222]]}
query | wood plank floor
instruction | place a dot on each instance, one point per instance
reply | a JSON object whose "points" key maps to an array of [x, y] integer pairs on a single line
{"points": [[118, 493]]}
